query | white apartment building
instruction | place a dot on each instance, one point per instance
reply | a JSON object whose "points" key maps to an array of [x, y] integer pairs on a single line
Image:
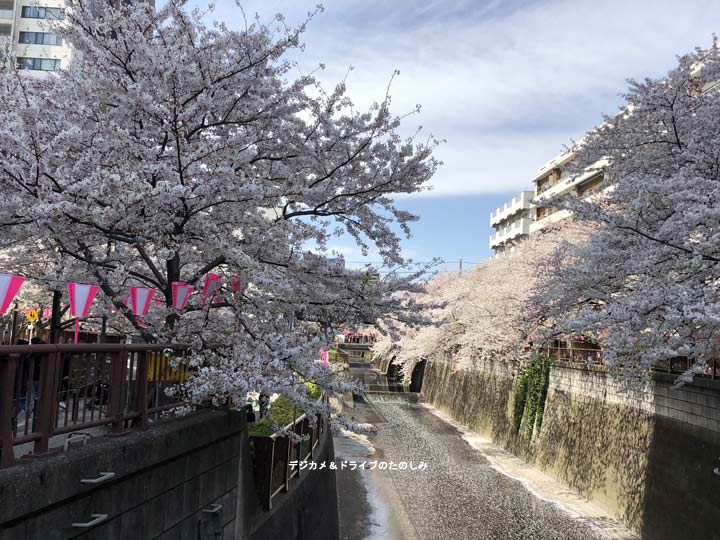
{"points": [[552, 180], [512, 222], [525, 214], [28, 25]]}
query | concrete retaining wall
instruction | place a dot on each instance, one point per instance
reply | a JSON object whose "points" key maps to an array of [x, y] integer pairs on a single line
{"points": [[164, 478], [646, 454], [189, 478]]}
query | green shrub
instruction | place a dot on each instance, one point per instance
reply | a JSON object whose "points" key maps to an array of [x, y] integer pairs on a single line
{"points": [[314, 391], [282, 413]]}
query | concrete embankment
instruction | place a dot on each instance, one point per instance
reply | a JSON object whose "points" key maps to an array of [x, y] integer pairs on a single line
{"points": [[646, 455], [438, 485], [191, 477]]}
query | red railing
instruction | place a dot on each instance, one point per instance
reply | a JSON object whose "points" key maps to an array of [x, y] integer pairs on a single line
{"points": [[273, 455], [52, 390]]}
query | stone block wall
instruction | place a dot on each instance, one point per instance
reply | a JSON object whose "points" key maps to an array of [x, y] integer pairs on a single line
{"points": [[697, 404]]}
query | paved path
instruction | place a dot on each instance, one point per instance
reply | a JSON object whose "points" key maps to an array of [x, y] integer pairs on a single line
{"points": [[459, 497]]}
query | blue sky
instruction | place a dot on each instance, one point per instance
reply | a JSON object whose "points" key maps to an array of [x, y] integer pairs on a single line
{"points": [[506, 82]]}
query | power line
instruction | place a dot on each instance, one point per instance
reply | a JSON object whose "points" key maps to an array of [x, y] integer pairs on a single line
{"points": [[463, 261]]}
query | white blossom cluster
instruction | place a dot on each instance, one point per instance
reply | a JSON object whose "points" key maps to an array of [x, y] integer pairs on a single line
{"points": [[647, 282], [169, 149], [483, 313]]}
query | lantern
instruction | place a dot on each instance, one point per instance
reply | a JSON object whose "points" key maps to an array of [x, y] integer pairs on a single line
{"points": [[212, 284], [81, 298], [239, 284], [140, 299], [181, 294], [9, 287]]}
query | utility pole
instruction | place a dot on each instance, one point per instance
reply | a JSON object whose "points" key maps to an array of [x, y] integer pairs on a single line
{"points": [[103, 330], [13, 331], [55, 317]]}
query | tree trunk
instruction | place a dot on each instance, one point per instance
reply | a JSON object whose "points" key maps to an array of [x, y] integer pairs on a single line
{"points": [[173, 274]]}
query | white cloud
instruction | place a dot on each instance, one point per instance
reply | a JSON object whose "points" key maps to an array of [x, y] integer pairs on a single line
{"points": [[506, 83]]}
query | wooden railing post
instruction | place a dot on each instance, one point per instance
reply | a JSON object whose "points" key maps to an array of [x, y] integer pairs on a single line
{"points": [[8, 365], [141, 383], [48, 399], [288, 457], [298, 429], [264, 461], [117, 384]]}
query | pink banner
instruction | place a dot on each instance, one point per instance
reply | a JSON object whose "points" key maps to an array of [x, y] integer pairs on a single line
{"points": [[181, 294], [9, 287], [81, 298], [140, 300]]}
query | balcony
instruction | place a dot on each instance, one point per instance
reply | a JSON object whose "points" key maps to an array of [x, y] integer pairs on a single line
{"points": [[569, 182], [7, 14], [520, 227], [518, 203]]}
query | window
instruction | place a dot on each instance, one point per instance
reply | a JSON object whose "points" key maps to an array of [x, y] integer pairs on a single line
{"points": [[6, 9], [34, 12], [38, 64], [5, 29], [40, 38]]}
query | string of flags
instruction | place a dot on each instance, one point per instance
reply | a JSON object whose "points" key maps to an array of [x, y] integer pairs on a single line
{"points": [[139, 301]]}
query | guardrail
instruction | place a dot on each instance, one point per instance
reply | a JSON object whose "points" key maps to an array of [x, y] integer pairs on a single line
{"points": [[51, 390], [682, 364], [272, 455], [677, 365], [574, 355]]}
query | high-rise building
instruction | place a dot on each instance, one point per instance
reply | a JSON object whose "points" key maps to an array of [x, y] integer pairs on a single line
{"points": [[28, 26]]}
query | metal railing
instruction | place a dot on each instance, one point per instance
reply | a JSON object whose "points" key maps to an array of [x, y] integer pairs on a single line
{"points": [[681, 364], [51, 390], [676, 365], [273, 454], [574, 355]]}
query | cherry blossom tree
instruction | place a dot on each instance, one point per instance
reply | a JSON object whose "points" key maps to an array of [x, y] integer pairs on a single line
{"points": [[485, 313], [168, 149], [647, 282]]}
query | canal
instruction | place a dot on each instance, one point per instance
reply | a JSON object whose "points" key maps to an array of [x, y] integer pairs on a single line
{"points": [[461, 495]]}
